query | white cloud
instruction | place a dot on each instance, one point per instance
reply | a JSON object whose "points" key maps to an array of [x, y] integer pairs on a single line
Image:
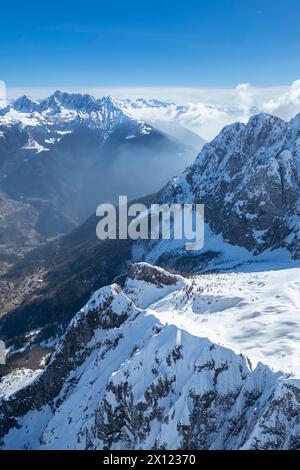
{"points": [[205, 120], [287, 105], [207, 111], [244, 98]]}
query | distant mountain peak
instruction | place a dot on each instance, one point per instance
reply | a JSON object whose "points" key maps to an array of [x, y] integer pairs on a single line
{"points": [[73, 101], [263, 119], [150, 103], [24, 104]]}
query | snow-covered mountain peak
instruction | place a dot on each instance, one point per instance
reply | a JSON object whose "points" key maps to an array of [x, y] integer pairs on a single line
{"points": [[248, 177], [125, 377], [72, 101], [110, 102], [263, 119], [150, 103], [81, 103], [24, 104], [261, 130]]}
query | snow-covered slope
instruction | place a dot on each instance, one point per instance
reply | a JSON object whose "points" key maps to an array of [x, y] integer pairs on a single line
{"points": [[136, 370]]}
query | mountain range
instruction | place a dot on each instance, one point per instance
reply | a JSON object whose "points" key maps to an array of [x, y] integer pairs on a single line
{"points": [[64, 155], [134, 367]]}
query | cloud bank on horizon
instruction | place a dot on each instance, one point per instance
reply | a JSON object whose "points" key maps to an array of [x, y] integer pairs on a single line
{"points": [[203, 110], [218, 108]]}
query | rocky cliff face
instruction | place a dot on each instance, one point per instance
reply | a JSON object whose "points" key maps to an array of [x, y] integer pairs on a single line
{"points": [[123, 377], [248, 177]]}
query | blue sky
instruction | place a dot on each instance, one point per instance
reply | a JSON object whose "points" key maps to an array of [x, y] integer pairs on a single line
{"points": [[187, 43]]}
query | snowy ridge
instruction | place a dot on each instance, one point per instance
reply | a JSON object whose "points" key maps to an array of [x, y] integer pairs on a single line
{"points": [[127, 376]]}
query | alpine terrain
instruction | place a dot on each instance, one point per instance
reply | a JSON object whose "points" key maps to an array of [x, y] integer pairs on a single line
{"points": [[121, 344]]}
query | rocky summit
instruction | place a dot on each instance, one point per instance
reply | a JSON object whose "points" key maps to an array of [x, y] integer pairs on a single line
{"points": [[248, 177]]}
